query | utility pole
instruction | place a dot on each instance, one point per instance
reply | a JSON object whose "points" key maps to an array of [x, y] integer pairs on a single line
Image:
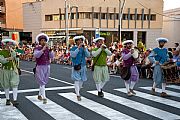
{"points": [[121, 9], [120, 22], [66, 24]]}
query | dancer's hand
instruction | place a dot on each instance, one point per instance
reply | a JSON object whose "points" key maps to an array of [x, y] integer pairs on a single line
{"points": [[157, 62], [45, 47], [132, 51], [9, 58]]}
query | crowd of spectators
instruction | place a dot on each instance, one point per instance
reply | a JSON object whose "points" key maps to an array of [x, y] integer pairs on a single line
{"points": [[114, 62]]}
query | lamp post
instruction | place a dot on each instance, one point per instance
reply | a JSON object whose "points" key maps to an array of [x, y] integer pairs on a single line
{"points": [[66, 20], [66, 24], [121, 9]]}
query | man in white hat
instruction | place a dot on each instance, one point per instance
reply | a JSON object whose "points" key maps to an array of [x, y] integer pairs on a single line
{"points": [[78, 54], [9, 77], [101, 75], [43, 54], [129, 62], [158, 57]]}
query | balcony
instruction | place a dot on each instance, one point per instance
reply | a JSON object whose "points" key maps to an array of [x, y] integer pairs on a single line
{"points": [[2, 9]]}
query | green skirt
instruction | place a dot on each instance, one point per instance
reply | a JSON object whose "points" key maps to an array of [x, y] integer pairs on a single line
{"points": [[101, 74], [9, 79]]}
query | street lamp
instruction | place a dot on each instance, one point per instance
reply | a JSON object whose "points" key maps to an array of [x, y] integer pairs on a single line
{"points": [[121, 9], [66, 23], [66, 20]]}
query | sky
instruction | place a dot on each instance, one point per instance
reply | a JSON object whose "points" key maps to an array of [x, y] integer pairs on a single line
{"points": [[171, 4]]}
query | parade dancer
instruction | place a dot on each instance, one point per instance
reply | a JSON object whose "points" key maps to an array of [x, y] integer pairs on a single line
{"points": [[43, 55], [158, 57], [78, 54], [129, 61], [101, 74], [9, 77]]}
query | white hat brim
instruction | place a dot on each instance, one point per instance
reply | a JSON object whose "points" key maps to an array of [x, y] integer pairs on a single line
{"points": [[41, 34], [79, 37], [9, 40], [99, 38], [128, 41], [162, 39]]}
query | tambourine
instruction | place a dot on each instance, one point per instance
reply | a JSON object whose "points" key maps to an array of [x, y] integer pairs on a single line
{"points": [[135, 54]]}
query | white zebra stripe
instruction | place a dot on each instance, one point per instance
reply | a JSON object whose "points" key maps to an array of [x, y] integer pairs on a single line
{"points": [[140, 107], [35, 90], [174, 87], [159, 91], [54, 110], [98, 108], [10, 112], [154, 98]]}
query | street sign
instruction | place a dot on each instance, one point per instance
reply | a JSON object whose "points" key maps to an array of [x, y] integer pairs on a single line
{"points": [[97, 33]]}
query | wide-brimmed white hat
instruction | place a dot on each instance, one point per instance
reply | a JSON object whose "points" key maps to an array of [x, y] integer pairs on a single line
{"points": [[79, 37], [40, 36], [128, 41], [162, 39], [99, 38], [12, 42]]}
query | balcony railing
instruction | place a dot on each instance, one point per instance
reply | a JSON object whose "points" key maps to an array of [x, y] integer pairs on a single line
{"points": [[2, 9]]}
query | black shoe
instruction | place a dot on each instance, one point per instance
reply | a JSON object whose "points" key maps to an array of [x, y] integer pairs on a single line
{"points": [[163, 94], [8, 102], [132, 91], [153, 92], [15, 103], [101, 94]]}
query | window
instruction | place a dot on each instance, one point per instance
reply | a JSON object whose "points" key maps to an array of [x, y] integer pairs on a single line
{"points": [[81, 15], [125, 16], [87, 16], [1, 4], [117, 16], [139, 17], [146, 17], [153, 17], [62, 17], [96, 15], [111, 15], [103, 16], [55, 17], [132, 17], [73, 16], [48, 17]]}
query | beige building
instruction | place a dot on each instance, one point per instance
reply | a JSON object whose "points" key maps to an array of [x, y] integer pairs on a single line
{"points": [[171, 26], [11, 14], [142, 19]]}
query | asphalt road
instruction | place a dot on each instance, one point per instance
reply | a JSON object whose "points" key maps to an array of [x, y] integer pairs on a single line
{"points": [[62, 103]]}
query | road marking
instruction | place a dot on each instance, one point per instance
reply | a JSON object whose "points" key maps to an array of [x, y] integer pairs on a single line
{"points": [[54, 110], [10, 112], [51, 78], [34, 90], [70, 68], [98, 108], [174, 87], [159, 91], [154, 98], [139, 106]]}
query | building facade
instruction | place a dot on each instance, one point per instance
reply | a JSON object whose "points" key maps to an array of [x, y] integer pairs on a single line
{"points": [[141, 19], [11, 18], [171, 26]]}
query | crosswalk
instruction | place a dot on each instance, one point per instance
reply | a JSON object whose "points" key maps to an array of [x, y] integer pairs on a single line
{"points": [[98, 106]]}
